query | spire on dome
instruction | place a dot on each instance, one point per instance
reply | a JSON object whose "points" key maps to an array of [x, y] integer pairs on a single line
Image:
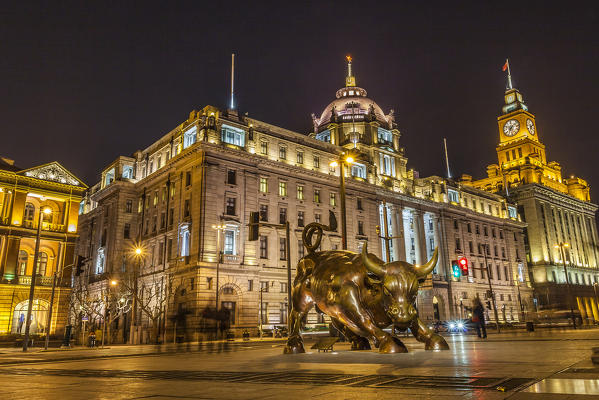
{"points": [[350, 80]]}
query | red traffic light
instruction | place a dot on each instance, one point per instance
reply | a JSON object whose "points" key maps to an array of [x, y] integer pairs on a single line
{"points": [[463, 262]]}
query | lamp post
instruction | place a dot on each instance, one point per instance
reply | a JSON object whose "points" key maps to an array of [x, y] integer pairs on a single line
{"points": [[486, 247], [138, 253], [341, 163], [262, 290], [106, 307], [46, 211], [219, 228], [561, 246]]}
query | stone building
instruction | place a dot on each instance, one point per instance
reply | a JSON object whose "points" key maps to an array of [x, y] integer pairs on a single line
{"points": [[186, 200], [556, 210], [24, 193]]}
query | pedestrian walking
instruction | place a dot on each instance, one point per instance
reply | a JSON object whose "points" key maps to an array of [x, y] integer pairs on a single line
{"points": [[478, 318]]}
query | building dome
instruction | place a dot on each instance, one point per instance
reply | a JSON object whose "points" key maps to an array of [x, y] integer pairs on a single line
{"points": [[351, 104]]}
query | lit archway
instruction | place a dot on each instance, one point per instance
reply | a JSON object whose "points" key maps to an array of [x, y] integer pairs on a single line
{"points": [[39, 317]]}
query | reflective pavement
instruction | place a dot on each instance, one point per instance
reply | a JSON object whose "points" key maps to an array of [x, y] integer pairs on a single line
{"points": [[540, 365]]}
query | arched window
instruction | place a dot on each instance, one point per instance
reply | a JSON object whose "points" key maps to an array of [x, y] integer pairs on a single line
{"points": [[29, 213], [23, 257], [42, 263], [47, 218]]}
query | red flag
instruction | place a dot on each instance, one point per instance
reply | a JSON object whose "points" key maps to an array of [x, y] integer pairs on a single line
{"points": [[504, 66]]}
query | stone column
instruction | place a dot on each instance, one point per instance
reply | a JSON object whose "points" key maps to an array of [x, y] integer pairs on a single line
{"points": [[588, 309], [582, 309], [595, 308], [13, 243], [399, 244], [421, 255]]}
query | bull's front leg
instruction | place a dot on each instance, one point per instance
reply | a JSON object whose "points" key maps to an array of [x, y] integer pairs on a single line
{"points": [[359, 321], [295, 344], [431, 340]]}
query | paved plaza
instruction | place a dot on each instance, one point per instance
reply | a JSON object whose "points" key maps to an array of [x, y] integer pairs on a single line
{"points": [[547, 364]]}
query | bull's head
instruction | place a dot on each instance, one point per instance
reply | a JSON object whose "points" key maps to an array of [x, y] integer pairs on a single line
{"points": [[399, 281]]}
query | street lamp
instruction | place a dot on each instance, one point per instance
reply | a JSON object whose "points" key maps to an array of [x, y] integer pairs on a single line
{"points": [[46, 211], [341, 163], [112, 283], [485, 249], [138, 253], [561, 246], [219, 228]]}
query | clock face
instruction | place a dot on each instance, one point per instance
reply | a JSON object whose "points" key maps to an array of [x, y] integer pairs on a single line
{"points": [[530, 126], [510, 99], [511, 127]]}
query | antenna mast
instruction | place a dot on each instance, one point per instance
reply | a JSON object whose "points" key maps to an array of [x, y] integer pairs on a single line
{"points": [[446, 158], [232, 80]]}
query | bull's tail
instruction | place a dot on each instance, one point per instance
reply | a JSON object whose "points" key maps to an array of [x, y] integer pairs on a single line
{"points": [[311, 229]]}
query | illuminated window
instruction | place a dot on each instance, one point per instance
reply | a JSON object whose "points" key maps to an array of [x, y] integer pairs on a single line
{"points": [[300, 157], [100, 261], [233, 135], [453, 196], [282, 188], [264, 148], [300, 192], [324, 136], [333, 200], [189, 137], [316, 195], [316, 162], [358, 170], [282, 152], [184, 240], [512, 212], [387, 165], [385, 136], [29, 213], [264, 185], [23, 258], [230, 247]]}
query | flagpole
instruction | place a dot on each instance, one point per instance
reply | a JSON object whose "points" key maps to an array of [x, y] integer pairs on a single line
{"points": [[509, 74]]}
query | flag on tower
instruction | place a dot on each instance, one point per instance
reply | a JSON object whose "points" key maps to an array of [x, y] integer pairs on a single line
{"points": [[505, 66]]}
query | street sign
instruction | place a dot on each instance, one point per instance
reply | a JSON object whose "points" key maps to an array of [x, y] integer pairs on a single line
{"points": [[84, 318]]}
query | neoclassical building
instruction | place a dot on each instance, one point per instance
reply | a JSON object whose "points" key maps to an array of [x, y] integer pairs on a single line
{"points": [[24, 193], [556, 209], [187, 198]]}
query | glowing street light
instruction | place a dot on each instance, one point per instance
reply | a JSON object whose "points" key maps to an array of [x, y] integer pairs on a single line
{"points": [[341, 163], [46, 211], [561, 246]]}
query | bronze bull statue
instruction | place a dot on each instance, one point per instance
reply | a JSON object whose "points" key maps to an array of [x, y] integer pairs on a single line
{"points": [[362, 295]]}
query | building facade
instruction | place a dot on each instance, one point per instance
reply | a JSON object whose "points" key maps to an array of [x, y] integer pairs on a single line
{"points": [[186, 201], [556, 210], [24, 193]]}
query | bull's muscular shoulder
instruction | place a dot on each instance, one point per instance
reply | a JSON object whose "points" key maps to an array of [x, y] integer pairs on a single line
{"points": [[336, 262]]}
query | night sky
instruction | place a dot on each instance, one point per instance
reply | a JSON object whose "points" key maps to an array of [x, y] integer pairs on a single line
{"points": [[84, 82]]}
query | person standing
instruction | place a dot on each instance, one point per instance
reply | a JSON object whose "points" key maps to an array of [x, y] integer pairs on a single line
{"points": [[478, 317]]}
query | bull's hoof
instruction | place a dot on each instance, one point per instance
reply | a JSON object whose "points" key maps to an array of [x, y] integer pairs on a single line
{"points": [[392, 344], [360, 344], [295, 345], [436, 342]]}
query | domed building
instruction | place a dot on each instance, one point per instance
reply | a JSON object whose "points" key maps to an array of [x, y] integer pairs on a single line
{"points": [[358, 124]]}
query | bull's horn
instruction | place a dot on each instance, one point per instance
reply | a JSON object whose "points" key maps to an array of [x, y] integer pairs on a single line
{"points": [[424, 270], [373, 265]]}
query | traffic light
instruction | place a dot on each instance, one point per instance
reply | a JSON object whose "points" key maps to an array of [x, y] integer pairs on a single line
{"points": [[254, 226], [463, 261], [455, 270], [79, 265]]}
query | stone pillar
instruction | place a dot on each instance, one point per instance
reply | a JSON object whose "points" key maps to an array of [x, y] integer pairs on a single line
{"points": [[421, 255], [13, 243], [18, 208], [399, 246], [588, 309], [581, 308], [595, 308]]}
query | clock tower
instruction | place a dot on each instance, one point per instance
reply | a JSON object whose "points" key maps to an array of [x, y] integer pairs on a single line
{"points": [[521, 155]]}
